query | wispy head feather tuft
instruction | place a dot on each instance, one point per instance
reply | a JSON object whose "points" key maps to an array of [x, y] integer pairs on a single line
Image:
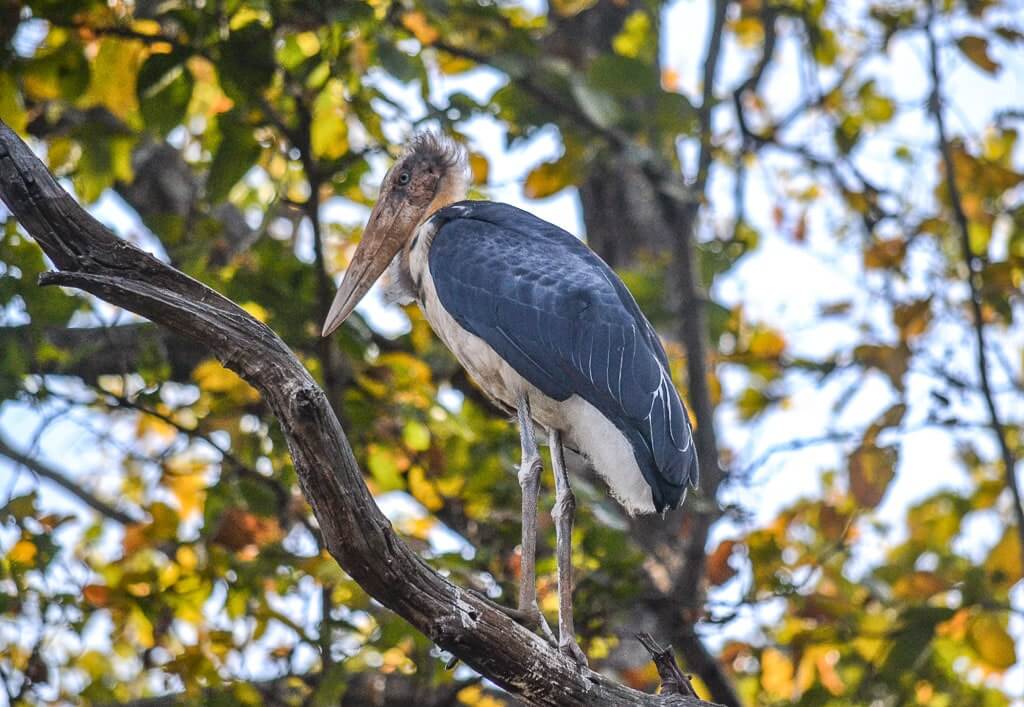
{"points": [[438, 148]]}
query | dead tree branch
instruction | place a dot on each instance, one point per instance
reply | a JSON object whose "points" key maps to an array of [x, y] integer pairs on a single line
{"points": [[673, 680], [89, 257]]}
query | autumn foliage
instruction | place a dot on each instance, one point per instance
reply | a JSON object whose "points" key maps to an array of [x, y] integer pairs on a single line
{"points": [[858, 541]]}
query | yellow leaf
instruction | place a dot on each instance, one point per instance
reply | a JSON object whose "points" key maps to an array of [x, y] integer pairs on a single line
{"points": [[308, 43], [748, 30], [451, 486], [767, 343], [885, 254], [248, 14], [114, 72], [258, 311], [329, 132], [450, 64], [212, 377], [1003, 563], [547, 179], [186, 557], [988, 637], [148, 424], [479, 166], [24, 552], [827, 674], [777, 674], [568, 8], [635, 36], [893, 361], [140, 628], [416, 22], [918, 585], [94, 663], [186, 480], [423, 490]]}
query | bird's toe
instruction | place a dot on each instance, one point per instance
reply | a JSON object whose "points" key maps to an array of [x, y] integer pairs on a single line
{"points": [[571, 649]]}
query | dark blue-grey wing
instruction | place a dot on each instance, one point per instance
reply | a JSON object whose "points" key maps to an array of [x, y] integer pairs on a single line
{"points": [[565, 322]]}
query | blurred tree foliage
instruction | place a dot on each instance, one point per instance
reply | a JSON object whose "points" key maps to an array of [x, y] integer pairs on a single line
{"points": [[233, 127]]}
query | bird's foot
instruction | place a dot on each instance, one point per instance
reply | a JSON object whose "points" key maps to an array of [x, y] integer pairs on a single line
{"points": [[532, 619], [569, 647]]}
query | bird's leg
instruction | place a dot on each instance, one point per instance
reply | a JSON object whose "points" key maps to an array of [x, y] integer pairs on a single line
{"points": [[529, 479], [562, 513]]}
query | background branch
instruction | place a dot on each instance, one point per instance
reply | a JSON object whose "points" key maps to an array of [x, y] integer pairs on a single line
{"points": [[50, 474], [974, 265]]}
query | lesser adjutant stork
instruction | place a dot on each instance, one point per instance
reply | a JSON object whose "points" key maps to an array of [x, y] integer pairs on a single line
{"points": [[545, 328]]}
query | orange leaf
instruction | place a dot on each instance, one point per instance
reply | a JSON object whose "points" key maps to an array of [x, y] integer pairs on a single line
{"points": [[240, 529], [97, 595], [416, 22], [719, 570]]}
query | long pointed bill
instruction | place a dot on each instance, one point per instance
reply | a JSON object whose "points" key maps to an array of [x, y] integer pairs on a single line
{"points": [[387, 231]]}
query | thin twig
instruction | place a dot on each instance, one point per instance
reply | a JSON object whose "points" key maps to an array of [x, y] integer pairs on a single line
{"points": [[46, 472], [974, 265]]}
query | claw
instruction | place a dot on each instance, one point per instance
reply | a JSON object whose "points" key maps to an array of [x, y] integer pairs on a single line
{"points": [[572, 650]]}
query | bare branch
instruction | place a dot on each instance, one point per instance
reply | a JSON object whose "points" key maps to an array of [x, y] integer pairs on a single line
{"points": [[355, 532], [99, 351], [50, 474], [974, 266]]}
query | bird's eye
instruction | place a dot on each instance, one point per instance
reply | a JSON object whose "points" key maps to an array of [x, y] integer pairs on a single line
{"points": [[404, 178]]}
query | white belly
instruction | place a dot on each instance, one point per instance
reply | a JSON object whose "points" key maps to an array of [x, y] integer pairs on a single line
{"points": [[583, 427]]}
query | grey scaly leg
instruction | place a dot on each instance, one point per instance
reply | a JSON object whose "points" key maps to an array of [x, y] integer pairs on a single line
{"points": [[529, 479], [562, 513]]}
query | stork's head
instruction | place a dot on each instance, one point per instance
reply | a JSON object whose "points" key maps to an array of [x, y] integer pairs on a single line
{"points": [[430, 174]]}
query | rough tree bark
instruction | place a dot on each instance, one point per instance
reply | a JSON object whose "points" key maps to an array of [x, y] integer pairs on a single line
{"points": [[89, 257]]}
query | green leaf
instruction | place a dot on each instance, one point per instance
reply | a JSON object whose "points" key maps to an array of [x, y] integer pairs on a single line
{"points": [[416, 436], [235, 154], [247, 61], [62, 73], [12, 111], [164, 90], [597, 105], [988, 637], [383, 466], [329, 131]]}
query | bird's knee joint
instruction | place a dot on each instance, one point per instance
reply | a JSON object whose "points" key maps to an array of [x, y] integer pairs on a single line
{"points": [[529, 471], [565, 506]]}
